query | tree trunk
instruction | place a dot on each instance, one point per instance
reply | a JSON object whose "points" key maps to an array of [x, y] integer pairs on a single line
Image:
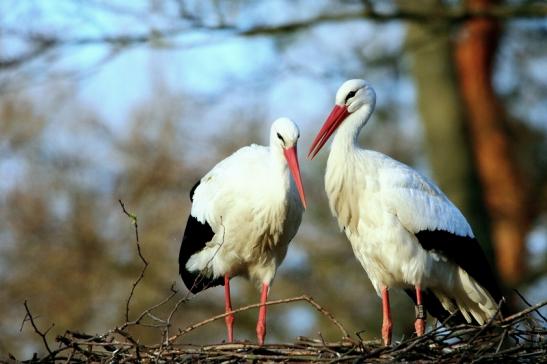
{"points": [[443, 120], [503, 189]]}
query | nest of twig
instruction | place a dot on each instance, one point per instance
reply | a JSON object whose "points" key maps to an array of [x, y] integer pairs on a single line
{"points": [[520, 338]]}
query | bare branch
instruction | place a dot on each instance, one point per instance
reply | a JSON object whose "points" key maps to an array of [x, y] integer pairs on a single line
{"points": [[133, 219], [525, 312], [148, 311], [43, 43], [276, 302], [529, 304], [165, 339], [36, 330]]}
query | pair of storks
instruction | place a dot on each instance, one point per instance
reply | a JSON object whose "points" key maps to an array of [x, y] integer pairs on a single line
{"points": [[403, 230]]}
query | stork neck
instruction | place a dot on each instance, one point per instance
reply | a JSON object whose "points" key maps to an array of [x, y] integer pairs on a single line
{"points": [[279, 171], [278, 161], [346, 138]]}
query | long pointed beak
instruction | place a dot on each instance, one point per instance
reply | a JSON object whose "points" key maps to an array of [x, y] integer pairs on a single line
{"points": [[337, 115], [292, 160]]}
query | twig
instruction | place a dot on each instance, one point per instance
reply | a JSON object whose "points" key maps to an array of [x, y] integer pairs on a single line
{"points": [[25, 319], [255, 305], [148, 311], [522, 313], [326, 347], [70, 356], [489, 323], [133, 219], [528, 303], [326, 313], [168, 321], [502, 339], [36, 330], [127, 336]]}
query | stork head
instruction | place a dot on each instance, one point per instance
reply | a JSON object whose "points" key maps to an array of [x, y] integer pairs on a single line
{"points": [[284, 136], [350, 99]]}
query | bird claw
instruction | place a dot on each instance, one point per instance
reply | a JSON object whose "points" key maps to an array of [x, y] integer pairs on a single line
{"points": [[387, 333], [419, 325], [260, 333]]}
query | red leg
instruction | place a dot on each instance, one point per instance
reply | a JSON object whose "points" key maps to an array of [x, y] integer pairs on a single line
{"points": [[419, 325], [261, 324], [229, 318], [386, 324]]}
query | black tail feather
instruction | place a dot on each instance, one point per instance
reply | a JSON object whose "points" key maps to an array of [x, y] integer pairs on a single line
{"points": [[196, 235], [465, 252]]}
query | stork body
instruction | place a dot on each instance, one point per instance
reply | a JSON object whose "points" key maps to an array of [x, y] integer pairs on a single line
{"points": [[403, 230], [245, 211]]}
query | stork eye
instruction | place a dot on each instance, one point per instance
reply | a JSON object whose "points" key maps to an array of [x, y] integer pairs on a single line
{"points": [[350, 95], [281, 138]]}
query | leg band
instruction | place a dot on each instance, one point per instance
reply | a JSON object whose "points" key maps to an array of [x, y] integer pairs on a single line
{"points": [[420, 312]]}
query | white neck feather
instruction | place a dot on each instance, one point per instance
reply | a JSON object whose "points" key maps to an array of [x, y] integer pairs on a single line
{"points": [[347, 134], [340, 184]]}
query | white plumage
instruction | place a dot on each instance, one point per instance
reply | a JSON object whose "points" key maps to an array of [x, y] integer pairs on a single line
{"points": [[245, 211], [403, 230]]}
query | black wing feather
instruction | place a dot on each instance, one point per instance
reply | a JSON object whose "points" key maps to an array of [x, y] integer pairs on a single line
{"points": [[465, 252], [196, 235]]}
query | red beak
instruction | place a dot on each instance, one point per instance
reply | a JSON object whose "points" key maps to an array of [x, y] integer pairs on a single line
{"points": [[337, 115], [292, 161]]}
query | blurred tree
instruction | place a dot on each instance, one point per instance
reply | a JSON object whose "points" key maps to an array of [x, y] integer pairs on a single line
{"points": [[443, 118], [504, 191]]}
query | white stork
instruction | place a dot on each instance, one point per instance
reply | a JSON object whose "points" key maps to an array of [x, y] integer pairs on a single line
{"points": [[403, 230], [245, 211]]}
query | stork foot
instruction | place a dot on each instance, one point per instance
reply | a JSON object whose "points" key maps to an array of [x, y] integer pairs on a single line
{"points": [[419, 325], [229, 319], [387, 324], [260, 333], [261, 323], [387, 332]]}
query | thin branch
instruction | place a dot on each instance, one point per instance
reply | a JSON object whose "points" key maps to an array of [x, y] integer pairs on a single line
{"points": [[523, 313], [133, 219], [528, 303], [148, 311], [36, 330], [255, 305], [165, 339], [482, 329], [327, 314]]}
